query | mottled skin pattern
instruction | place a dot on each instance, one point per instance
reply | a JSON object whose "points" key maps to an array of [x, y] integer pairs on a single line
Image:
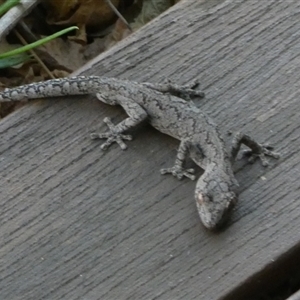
{"points": [[166, 108]]}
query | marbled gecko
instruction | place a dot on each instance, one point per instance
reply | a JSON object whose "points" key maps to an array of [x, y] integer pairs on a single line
{"points": [[166, 108]]}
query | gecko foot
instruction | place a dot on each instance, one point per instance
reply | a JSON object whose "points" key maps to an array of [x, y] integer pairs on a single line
{"points": [[263, 151], [179, 172], [186, 91], [112, 136], [190, 89]]}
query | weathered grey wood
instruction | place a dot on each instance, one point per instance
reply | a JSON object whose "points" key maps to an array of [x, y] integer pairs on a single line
{"points": [[77, 223], [295, 296]]}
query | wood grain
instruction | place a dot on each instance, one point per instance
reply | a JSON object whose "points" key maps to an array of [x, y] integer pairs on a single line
{"points": [[78, 223]]}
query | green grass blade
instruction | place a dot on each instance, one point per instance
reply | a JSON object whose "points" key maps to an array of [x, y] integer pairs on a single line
{"points": [[37, 43], [7, 5], [14, 60]]}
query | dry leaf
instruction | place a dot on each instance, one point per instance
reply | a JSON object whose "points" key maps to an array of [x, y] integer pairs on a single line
{"points": [[94, 13], [62, 9], [150, 10], [62, 54], [138, 14], [94, 49], [119, 32]]}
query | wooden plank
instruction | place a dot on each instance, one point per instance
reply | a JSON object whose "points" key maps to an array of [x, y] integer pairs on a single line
{"points": [[77, 223], [295, 296]]}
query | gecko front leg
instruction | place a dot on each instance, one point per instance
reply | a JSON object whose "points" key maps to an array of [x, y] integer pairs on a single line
{"points": [[182, 91], [178, 170], [115, 134], [256, 150]]}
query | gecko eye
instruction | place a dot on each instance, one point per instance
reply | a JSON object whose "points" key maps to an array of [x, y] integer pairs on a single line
{"points": [[209, 198]]}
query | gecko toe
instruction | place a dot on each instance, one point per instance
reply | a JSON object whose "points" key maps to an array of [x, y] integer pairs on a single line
{"points": [[106, 145], [179, 172], [264, 150], [94, 136], [190, 176], [263, 160], [121, 143]]}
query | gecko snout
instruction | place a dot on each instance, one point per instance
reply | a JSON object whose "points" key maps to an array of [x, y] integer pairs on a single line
{"points": [[215, 210]]}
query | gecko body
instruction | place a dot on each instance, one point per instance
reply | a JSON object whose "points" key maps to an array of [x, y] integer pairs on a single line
{"points": [[166, 108]]}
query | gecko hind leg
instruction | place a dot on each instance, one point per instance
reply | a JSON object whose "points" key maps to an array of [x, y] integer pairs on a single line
{"points": [[136, 115], [178, 170], [256, 150]]}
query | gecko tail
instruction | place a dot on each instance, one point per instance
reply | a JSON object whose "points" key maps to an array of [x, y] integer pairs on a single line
{"points": [[78, 85]]}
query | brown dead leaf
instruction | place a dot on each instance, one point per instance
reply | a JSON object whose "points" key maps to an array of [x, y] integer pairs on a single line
{"points": [[119, 32], [150, 10], [92, 13], [95, 48], [61, 9], [138, 14], [80, 36], [62, 54], [60, 73]]}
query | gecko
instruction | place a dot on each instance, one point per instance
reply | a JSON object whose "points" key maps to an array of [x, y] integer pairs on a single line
{"points": [[167, 108]]}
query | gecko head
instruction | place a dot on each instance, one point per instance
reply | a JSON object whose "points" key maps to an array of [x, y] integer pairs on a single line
{"points": [[215, 201]]}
